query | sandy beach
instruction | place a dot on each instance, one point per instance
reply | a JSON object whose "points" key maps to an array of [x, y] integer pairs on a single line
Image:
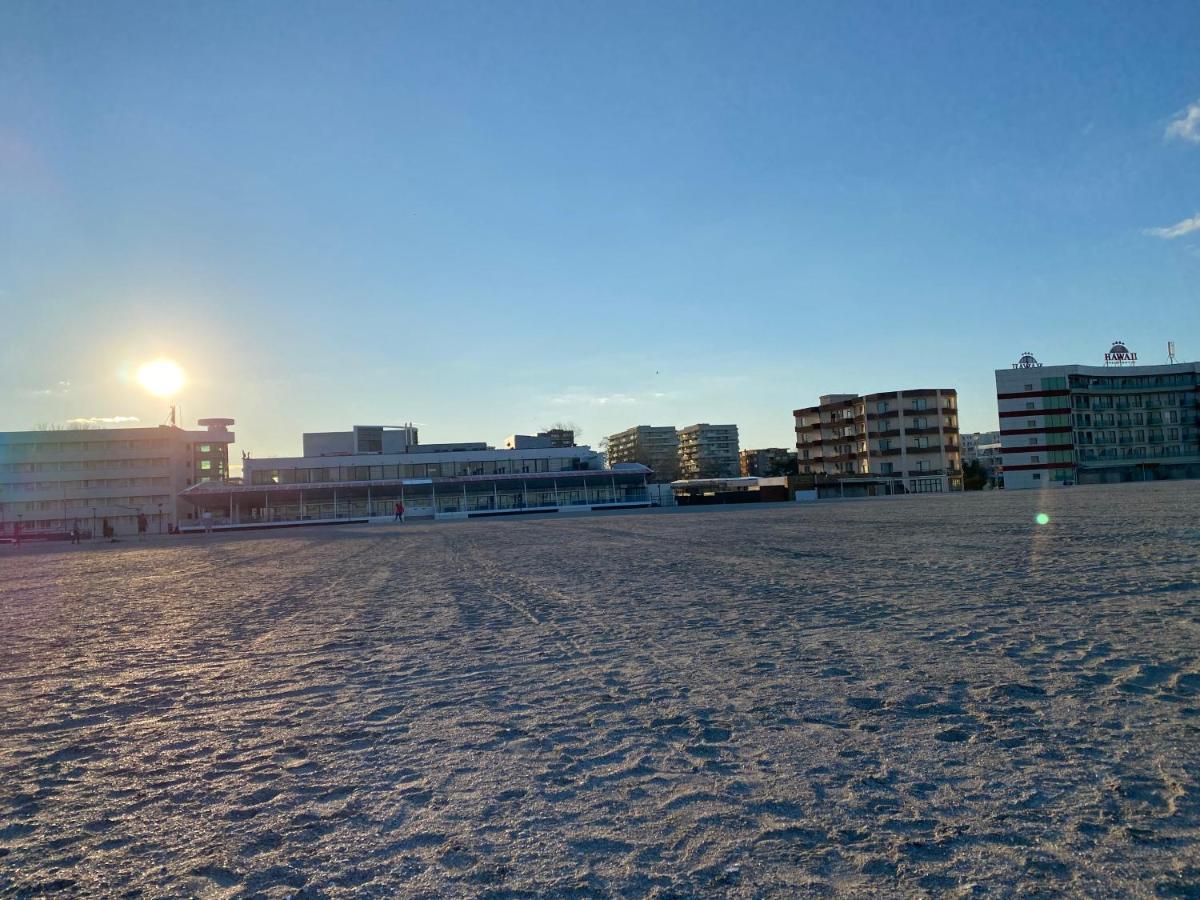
{"points": [[924, 695]]}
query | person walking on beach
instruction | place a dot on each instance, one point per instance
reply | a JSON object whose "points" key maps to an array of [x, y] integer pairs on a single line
{"points": [[143, 524], [17, 533], [206, 517], [399, 512], [107, 530], [75, 532]]}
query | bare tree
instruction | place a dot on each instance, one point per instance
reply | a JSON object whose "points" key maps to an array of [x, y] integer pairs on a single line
{"points": [[565, 426]]}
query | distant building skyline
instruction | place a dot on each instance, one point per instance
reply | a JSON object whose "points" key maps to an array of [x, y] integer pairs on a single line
{"points": [[490, 218]]}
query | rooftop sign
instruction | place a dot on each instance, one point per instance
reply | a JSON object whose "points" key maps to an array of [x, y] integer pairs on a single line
{"points": [[1119, 355], [1027, 361]]}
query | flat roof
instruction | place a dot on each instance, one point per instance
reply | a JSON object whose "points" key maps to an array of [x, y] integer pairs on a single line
{"points": [[221, 488]]}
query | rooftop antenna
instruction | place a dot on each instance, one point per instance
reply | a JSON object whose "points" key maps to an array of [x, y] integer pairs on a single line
{"points": [[172, 415], [1170, 352]]}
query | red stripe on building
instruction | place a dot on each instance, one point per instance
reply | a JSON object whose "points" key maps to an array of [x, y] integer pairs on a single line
{"points": [[1059, 392], [1030, 413]]}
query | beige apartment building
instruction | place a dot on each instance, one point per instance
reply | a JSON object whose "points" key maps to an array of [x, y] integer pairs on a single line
{"points": [[708, 451], [654, 446], [50, 480], [906, 441]]}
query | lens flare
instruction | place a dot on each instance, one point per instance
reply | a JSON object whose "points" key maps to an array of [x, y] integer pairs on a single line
{"points": [[162, 378], [1042, 519]]}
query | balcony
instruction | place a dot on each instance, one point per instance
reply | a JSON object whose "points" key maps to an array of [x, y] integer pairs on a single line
{"points": [[949, 411], [891, 451], [936, 448], [891, 433], [933, 429]]}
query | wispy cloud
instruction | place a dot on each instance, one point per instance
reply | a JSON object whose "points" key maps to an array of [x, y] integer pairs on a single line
{"points": [[104, 420], [59, 389], [1179, 229], [1186, 125], [585, 399]]}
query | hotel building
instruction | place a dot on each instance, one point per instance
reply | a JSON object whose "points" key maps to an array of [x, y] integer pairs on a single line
{"points": [[906, 440], [362, 474], [708, 451], [1076, 424], [49, 480]]}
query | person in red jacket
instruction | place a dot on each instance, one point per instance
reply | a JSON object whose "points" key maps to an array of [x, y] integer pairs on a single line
{"points": [[399, 512]]}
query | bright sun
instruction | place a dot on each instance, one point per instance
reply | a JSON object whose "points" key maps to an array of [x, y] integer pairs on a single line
{"points": [[161, 377]]}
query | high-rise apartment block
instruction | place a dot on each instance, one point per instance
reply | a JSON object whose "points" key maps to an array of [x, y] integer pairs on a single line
{"points": [[708, 451], [767, 463], [655, 446]]}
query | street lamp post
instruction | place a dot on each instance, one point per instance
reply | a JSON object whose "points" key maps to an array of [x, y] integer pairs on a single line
{"points": [[160, 518]]}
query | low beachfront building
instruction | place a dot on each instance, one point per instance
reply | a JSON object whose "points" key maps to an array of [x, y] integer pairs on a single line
{"points": [[895, 441], [430, 480], [1078, 424], [51, 481]]}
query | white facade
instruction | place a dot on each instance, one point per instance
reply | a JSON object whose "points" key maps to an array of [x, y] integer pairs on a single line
{"points": [[51, 480], [433, 481], [1073, 424]]}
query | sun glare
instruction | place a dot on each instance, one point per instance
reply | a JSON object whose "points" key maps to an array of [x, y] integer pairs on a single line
{"points": [[160, 377]]}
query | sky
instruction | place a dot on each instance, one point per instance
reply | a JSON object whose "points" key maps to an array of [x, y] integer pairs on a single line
{"points": [[486, 218]]}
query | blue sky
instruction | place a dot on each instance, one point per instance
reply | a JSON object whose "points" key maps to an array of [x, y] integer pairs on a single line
{"points": [[488, 217]]}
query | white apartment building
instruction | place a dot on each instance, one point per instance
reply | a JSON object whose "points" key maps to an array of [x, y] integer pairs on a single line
{"points": [[51, 480], [1077, 424], [905, 439], [708, 451]]}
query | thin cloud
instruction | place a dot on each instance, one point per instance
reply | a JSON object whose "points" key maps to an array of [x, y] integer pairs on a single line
{"points": [[1186, 125], [1179, 229], [581, 399], [103, 420], [60, 389]]}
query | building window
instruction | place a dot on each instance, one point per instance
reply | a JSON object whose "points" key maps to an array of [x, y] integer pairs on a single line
{"points": [[1031, 405], [1031, 423], [1029, 387], [886, 468], [1035, 459], [1037, 476], [205, 464], [918, 403], [1033, 441], [881, 406]]}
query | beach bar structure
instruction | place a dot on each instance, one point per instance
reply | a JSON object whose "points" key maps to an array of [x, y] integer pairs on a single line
{"points": [[443, 481]]}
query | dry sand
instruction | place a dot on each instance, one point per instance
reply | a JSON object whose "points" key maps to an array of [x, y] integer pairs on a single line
{"points": [[928, 695]]}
